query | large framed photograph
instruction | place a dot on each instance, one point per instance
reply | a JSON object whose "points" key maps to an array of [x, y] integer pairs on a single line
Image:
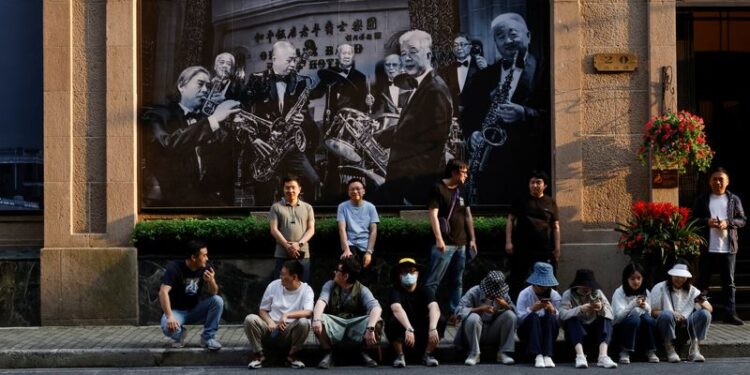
{"points": [[237, 95]]}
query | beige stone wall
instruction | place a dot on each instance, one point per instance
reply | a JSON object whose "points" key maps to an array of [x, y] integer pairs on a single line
{"points": [[597, 120], [90, 169]]}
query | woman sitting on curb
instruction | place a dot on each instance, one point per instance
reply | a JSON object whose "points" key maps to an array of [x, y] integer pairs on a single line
{"points": [[633, 322], [537, 315]]}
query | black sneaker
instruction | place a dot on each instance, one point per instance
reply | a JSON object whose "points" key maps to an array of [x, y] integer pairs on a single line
{"points": [[733, 319]]}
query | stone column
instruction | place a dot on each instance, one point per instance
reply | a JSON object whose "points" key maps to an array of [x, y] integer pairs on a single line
{"points": [[89, 269]]}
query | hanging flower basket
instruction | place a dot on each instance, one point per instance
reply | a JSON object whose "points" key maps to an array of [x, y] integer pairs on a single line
{"points": [[675, 141]]}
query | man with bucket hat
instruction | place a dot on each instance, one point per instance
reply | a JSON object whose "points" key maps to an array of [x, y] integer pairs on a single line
{"points": [[415, 324], [488, 317], [537, 315], [586, 317]]}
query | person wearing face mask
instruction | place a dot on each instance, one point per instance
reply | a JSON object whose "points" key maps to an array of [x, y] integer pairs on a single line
{"points": [[414, 327], [679, 306], [537, 315], [586, 317]]}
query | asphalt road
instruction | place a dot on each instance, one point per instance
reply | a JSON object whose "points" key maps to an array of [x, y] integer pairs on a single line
{"points": [[725, 366]]}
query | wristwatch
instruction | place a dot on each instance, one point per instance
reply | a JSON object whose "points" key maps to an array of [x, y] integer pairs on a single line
{"points": [[410, 329], [301, 244], [371, 328]]}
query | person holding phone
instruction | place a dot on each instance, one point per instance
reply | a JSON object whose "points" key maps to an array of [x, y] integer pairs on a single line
{"points": [[586, 317], [537, 315], [179, 296], [633, 322], [678, 305]]}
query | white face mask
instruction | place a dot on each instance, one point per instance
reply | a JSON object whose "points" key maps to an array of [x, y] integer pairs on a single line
{"points": [[409, 279]]}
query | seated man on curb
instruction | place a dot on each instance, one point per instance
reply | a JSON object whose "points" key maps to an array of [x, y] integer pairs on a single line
{"points": [[488, 317], [346, 311], [284, 314], [180, 300], [416, 314]]}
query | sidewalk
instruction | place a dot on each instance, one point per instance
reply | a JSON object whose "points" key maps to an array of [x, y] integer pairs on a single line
{"points": [[127, 346]]}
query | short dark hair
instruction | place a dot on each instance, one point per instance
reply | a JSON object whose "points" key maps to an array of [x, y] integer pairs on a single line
{"points": [[628, 271], [718, 169], [289, 178], [193, 248], [542, 175], [454, 165], [353, 180], [351, 267], [294, 267], [688, 282], [462, 35]]}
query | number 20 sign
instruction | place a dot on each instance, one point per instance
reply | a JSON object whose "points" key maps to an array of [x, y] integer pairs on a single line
{"points": [[615, 62]]}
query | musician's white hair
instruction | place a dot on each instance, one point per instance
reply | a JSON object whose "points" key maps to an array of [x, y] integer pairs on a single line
{"points": [[338, 49], [510, 16], [421, 39], [282, 44], [231, 57]]}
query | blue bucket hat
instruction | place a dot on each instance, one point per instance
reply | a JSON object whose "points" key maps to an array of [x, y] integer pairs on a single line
{"points": [[542, 275]]}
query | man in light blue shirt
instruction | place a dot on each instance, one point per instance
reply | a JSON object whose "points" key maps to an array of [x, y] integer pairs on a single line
{"points": [[357, 223]]}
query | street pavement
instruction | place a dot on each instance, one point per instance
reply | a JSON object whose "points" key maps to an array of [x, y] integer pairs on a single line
{"points": [[723, 366], [144, 346]]}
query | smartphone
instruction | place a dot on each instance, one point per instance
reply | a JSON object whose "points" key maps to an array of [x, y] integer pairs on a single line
{"points": [[545, 300], [701, 298]]}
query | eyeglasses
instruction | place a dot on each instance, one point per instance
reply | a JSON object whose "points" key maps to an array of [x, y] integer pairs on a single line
{"points": [[462, 45]]}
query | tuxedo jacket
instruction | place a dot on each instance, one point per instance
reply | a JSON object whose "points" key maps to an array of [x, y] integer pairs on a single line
{"points": [[189, 164], [383, 101], [450, 76], [344, 95], [418, 140]]}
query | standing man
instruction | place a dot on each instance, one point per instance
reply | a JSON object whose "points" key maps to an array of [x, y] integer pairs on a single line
{"points": [[284, 314], [450, 217], [180, 142], [721, 214], [358, 227], [418, 140], [390, 96], [512, 95], [270, 95], [458, 73], [532, 232], [415, 323], [292, 223], [180, 298], [346, 311]]}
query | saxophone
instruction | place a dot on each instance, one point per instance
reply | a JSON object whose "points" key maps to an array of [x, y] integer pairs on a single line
{"points": [[282, 137], [491, 135]]}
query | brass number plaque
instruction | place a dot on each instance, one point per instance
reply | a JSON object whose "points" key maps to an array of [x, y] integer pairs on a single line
{"points": [[615, 62]]}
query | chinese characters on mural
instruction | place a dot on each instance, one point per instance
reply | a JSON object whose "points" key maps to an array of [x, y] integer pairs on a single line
{"points": [[346, 94]]}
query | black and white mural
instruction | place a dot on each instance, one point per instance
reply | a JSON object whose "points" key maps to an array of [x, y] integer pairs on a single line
{"points": [[235, 95]]}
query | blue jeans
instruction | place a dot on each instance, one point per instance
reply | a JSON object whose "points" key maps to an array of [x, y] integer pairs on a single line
{"points": [[696, 324], [207, 311], [636, 328], [452, 261], [594, 333], [305, 268]]}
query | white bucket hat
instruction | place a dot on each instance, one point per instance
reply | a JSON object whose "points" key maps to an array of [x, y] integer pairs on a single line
{"points": [[680, 270]]}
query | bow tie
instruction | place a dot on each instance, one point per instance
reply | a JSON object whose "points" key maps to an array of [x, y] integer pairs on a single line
{"points": [[279, 78], [192, 116], [391, 83], [508, 63], [464, 63], [342, 70]]}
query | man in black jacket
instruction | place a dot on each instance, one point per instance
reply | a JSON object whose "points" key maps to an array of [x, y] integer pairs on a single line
{"points": [[721, 214], [417, 142]]}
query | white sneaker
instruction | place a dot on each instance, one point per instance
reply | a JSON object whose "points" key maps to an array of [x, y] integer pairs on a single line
{"points": [[548, 362], [177, 344], [606, 362], [539, 361], [400, 361], [581, 361], [652, 357], [505, 359], [625, 357], [672, 355], [695, 352], [472, 359]]}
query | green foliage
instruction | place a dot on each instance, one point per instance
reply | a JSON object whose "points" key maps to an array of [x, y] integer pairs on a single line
{"points": [[160, 236]]}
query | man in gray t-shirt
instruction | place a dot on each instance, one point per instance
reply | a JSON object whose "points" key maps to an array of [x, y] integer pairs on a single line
{"points": [[292, 225], [357, 223]]}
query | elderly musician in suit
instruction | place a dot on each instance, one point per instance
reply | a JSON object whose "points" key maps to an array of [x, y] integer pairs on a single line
{"points": [[417, 141]]}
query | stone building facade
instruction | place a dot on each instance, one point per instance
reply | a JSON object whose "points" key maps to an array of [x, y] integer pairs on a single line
{"points": [[91, 97]]}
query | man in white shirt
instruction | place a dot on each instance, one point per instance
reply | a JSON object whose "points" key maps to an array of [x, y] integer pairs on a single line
{"points": [[284, 314], [721, 213]]}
